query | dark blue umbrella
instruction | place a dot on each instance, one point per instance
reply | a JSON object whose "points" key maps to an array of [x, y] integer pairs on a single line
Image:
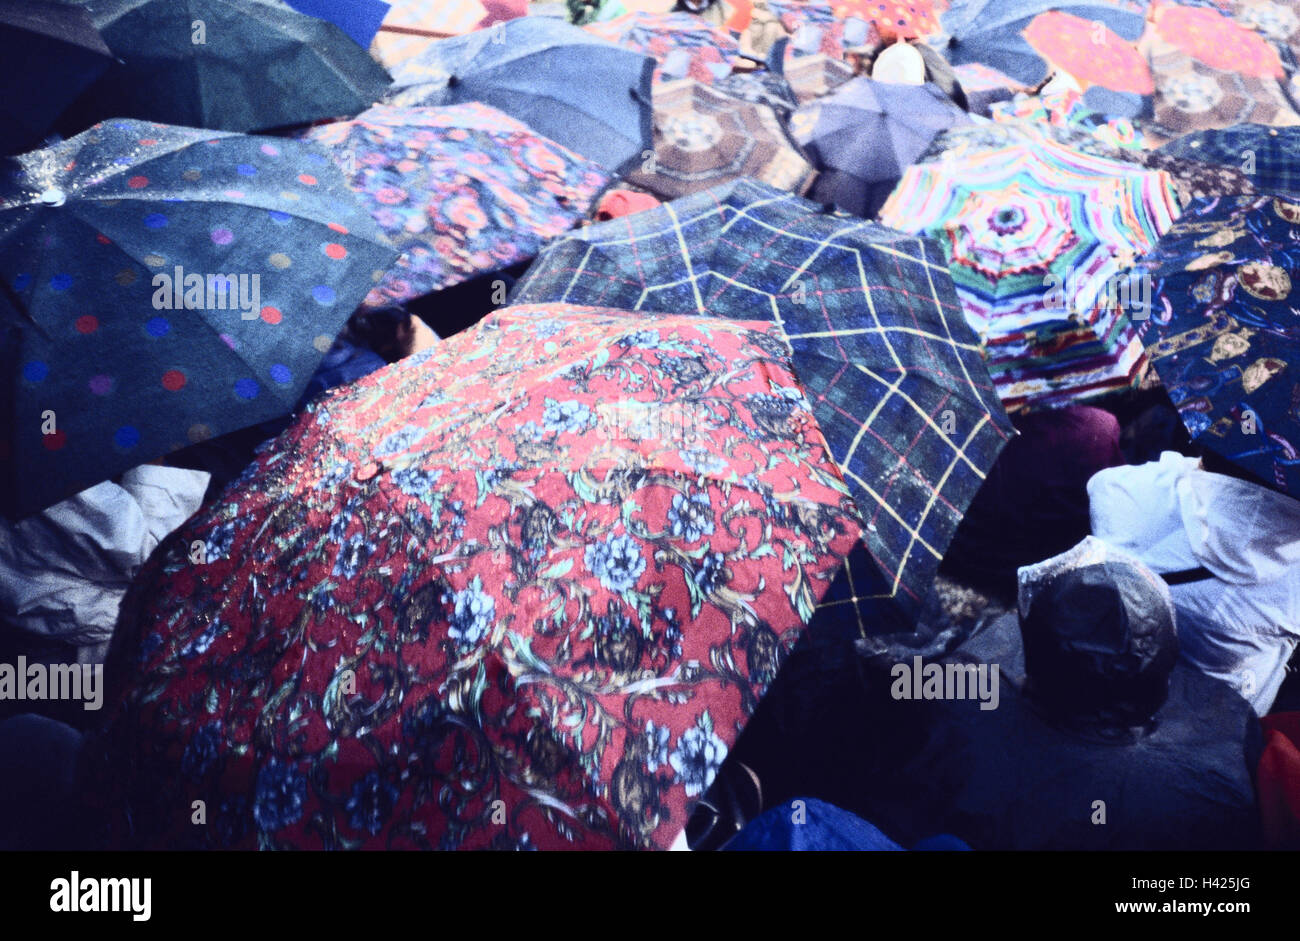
{"points": [[160, 286], [360, 19], [894, 374], [1224, 334], [1269, 156], [575, 88], [230, 65], [864, 134], [51, 52], [989, 31]]}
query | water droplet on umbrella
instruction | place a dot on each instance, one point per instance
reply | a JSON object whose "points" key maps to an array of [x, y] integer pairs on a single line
{"points": [[54, 197]]}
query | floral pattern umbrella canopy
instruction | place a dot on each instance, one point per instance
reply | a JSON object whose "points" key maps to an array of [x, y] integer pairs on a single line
{"points": [[684, 46], [896, 378], [704, 137], [164, 285], [1034, 233], [1225, 335], [461, 190], [519, 590]]}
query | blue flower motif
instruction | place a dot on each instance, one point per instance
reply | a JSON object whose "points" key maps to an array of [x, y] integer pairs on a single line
{"points": [[698, 756], [199, 645], [702, 461], [279, 796], [416, 481], [691, 517], [645, 339], [711, 574], [656, 740], [473, 615], [334, 476], [371, 802], [219, 541], [400, 440], [571, 416], [202, 750], [617, 562], [352, 557]]}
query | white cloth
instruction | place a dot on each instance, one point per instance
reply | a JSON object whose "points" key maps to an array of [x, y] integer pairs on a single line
{"points": [[1243, 624], [63, 571]]}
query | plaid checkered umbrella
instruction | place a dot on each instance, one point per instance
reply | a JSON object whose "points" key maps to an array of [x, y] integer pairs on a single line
{"points": [[1270, 156], [704, 137], [895, 375], [1037, 236], [685, 46], [1223, 334]]}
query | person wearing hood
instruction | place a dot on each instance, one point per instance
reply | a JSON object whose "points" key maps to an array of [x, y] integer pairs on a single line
{"points": [[1230, 550]]}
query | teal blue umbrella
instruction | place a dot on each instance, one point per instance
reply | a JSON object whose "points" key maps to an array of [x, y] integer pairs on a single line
{"points": [[160, 286]]}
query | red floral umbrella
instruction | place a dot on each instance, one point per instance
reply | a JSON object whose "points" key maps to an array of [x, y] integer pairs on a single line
{"points": [[1216, 40], [893, 19], [520, 590], [1090, 52]]}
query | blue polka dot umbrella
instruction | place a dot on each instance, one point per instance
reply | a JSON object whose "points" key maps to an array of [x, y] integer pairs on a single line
{"points": [[162, 285]]}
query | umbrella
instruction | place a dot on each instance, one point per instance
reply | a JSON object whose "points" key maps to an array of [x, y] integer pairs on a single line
{"points": [[815, 30], [1223, 334], [892, 19], [539, 71], [1037, 238], [813, 76], [1216, 40], [520, 591], [992, 33], [895, 376], [104, 237], [231, 65], [1270, 156], [1065, 107], [462, 190], [862, 136], [684, 46], [359, 19], [703, 137], [411, 24], [51, 53], [766, 88], [1089, 52]]}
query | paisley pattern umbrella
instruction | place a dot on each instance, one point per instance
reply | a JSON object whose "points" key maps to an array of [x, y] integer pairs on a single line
{"points": [[162, 286], [895, 376], [684, 46], [1224, 334], [703, 137], [539, 71], [462, 190], [522, 590], [1036, 236]]}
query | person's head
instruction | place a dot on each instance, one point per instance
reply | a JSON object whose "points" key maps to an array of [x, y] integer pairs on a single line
{"points": [[1100, 641], [388, 331]]}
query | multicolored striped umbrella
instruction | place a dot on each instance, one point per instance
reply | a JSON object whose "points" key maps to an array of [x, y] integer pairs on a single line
{"points": [[685, 46], [894, 374], [1036, 236], [1225, 336], [703, 137], [462, 190]]}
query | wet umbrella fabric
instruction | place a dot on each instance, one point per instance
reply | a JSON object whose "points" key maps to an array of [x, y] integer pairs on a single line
{"points": [[359, 19], [895, 376], [539, 71], [704, 137], [1223, 334], [863, 135], [161, 286], [51, 52], [230, 65], [462, 190], [1270, 156], [520, 591]]}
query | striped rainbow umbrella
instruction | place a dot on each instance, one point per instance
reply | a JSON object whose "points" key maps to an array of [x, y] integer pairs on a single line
{"points": [[1038, 237]]}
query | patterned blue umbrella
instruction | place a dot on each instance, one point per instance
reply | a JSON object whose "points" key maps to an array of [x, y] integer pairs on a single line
{"points": [[1269, 156], [894, 374], [160, 286], [1225, 335], [581, 91]]}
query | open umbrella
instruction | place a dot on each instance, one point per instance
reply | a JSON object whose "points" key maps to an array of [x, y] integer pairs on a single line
{"points": [[703, 137], [862, 136], [161, 286], [892, 19], [1269, 156], [231, 65], [895, 376], [1215, 39], [1037, 236], [360, 19], [1092, 54], [813, 76], [521, 591], [411, 25], [684, 46], [462, 190], [51, 52], [1224, 335], [539, 71]]}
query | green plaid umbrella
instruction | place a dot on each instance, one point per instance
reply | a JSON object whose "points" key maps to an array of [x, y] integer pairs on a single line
{"points": [[894, 374]]}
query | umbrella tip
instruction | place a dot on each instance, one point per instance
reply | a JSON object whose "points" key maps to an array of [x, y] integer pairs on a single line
{"points": [[54, 197]]}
